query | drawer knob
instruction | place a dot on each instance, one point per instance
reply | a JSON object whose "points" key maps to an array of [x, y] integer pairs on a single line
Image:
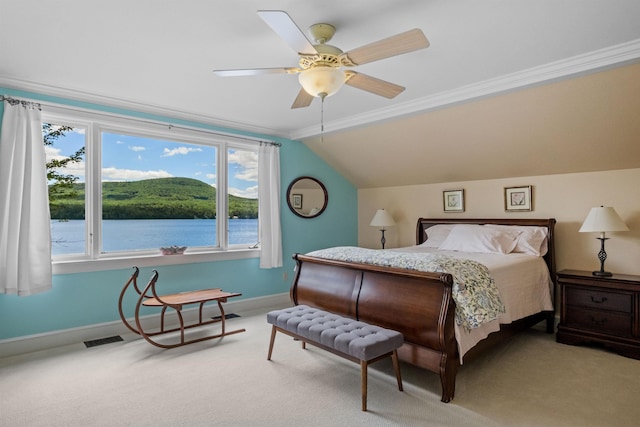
{"points": [[598, 322], [598, 300]]}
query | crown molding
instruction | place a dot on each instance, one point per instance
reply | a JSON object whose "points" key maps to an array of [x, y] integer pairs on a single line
{"points": [[106, 101], [599, 60]]}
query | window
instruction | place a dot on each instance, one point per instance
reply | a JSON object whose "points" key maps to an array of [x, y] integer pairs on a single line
{"points": [[65, 147], [120, 188], [242, 199]]}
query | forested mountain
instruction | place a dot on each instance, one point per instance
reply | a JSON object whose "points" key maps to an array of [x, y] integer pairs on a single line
{"points": [[161, 198]]}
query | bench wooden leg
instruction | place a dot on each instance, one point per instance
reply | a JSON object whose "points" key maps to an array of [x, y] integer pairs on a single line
{"points": [[363, 365], [396, 367], [273, 338]]}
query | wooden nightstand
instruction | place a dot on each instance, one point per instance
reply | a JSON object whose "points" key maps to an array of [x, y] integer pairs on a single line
{"points": [[603, 310]]}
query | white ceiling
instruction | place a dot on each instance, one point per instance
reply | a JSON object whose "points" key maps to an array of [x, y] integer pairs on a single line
{"points": [[158, 56]]}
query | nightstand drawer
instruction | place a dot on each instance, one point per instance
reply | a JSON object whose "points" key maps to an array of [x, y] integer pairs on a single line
{"points": [[599, 321], [602, 300]]}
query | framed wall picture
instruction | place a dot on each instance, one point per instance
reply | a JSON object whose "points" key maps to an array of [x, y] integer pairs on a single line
{"points": [[518, 199], [453, 200], [296, 201]]}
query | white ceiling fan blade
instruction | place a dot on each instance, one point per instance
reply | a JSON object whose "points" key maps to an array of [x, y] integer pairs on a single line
{"points": [[255, 72], [374, 85], [302, 100], [283, 25], [395, 45]]}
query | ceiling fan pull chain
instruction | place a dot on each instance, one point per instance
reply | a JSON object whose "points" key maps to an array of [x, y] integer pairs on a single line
{"points": [[322, 117]]}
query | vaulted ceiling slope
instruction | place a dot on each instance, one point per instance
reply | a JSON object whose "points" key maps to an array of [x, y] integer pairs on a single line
{"points": [[159, 56], [585, 124]]}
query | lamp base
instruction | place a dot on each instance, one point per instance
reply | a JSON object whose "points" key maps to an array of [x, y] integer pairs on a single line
{"points": [[602, 273], [602, 256]]}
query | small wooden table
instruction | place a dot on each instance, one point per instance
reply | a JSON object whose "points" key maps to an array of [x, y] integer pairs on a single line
{"points": [[149, 298], [602, 310]]}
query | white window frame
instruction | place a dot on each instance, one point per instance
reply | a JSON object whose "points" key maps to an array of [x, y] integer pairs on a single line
{"points": [[95, 124]]}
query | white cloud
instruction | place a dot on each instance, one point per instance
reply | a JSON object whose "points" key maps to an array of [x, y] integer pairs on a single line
{"points": [[179, 150], [108, 174], [248, 160], [115, 174], [52, 153], [137, 148], [75, 168], [250, 192]]}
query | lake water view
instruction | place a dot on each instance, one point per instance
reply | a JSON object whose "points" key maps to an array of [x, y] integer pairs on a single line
{"points": [[68, 237]]}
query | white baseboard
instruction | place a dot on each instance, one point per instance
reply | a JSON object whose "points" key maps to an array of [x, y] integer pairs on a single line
{"points": [[37, 342]]}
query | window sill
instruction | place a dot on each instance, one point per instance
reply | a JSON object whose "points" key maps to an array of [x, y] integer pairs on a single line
{"points": [[154, 260]]}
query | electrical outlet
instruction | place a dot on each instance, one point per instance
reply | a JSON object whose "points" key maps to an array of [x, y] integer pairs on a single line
{"points": [[285, 276]]}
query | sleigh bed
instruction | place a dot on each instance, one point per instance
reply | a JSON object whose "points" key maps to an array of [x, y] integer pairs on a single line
{"points": [[422, 304]]}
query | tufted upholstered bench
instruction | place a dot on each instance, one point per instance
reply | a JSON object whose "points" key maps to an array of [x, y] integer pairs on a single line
{"points": [[354, 340]]}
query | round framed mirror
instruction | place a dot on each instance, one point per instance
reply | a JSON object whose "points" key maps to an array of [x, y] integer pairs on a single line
{"points": [[307, 197]]}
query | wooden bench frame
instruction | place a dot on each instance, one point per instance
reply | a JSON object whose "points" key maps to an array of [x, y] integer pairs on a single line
{"points": [[364, 364], [150, 298]]}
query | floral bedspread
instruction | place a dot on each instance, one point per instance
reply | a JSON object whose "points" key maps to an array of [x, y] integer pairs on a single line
{"points": [[474, 291]]}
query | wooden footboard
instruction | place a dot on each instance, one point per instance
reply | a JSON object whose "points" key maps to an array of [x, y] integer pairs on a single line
{"points": [[420, 304]]}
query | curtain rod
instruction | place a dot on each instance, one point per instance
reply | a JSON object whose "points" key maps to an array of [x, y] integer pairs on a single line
{"points": [[24, 103], [39, 104]]}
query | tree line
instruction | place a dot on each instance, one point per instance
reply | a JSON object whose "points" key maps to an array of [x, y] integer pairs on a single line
{"points": [[159, 198]]}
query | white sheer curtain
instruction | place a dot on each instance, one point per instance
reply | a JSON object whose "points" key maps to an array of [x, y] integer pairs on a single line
{"points": [[269, 206], [25, 232]]}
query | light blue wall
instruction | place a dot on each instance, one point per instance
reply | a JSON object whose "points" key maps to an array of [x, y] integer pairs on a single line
{"points": [[83, 299]]}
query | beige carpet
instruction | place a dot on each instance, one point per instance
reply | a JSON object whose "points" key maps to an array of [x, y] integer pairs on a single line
{"points": [[530, 381]]}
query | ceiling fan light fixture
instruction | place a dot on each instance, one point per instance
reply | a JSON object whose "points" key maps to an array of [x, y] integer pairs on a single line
{"points": [[321, 81]]}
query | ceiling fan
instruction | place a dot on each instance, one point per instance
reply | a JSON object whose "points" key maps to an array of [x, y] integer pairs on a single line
{"points": [[320, 70]]}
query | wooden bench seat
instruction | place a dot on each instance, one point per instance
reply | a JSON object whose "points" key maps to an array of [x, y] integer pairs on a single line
{"points": [[354, 340]]}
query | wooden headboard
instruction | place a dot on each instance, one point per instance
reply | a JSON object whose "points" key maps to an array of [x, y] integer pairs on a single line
{"points": [[549, 223]]}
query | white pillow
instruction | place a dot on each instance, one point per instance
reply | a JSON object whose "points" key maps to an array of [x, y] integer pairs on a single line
{"points": [[532, 240], [436, 234], [478, 238], [544, 247]]}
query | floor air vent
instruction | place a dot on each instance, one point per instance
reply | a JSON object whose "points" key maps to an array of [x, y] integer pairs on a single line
{"points": [[102, 341], [226, 316]]}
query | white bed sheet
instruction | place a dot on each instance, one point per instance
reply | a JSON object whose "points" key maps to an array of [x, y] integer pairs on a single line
{"points": [[523, 281]]}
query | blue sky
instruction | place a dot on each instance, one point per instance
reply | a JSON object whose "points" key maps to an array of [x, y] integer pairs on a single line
{"points": [[131, 158]]}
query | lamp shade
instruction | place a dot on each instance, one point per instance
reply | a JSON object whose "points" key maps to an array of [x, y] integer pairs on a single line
{"points": [[602, 219], [383, 219], [321, 80]]}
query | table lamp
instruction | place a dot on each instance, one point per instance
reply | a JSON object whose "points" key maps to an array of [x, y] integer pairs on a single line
{"points": [[382, 219], [601, 220]]}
